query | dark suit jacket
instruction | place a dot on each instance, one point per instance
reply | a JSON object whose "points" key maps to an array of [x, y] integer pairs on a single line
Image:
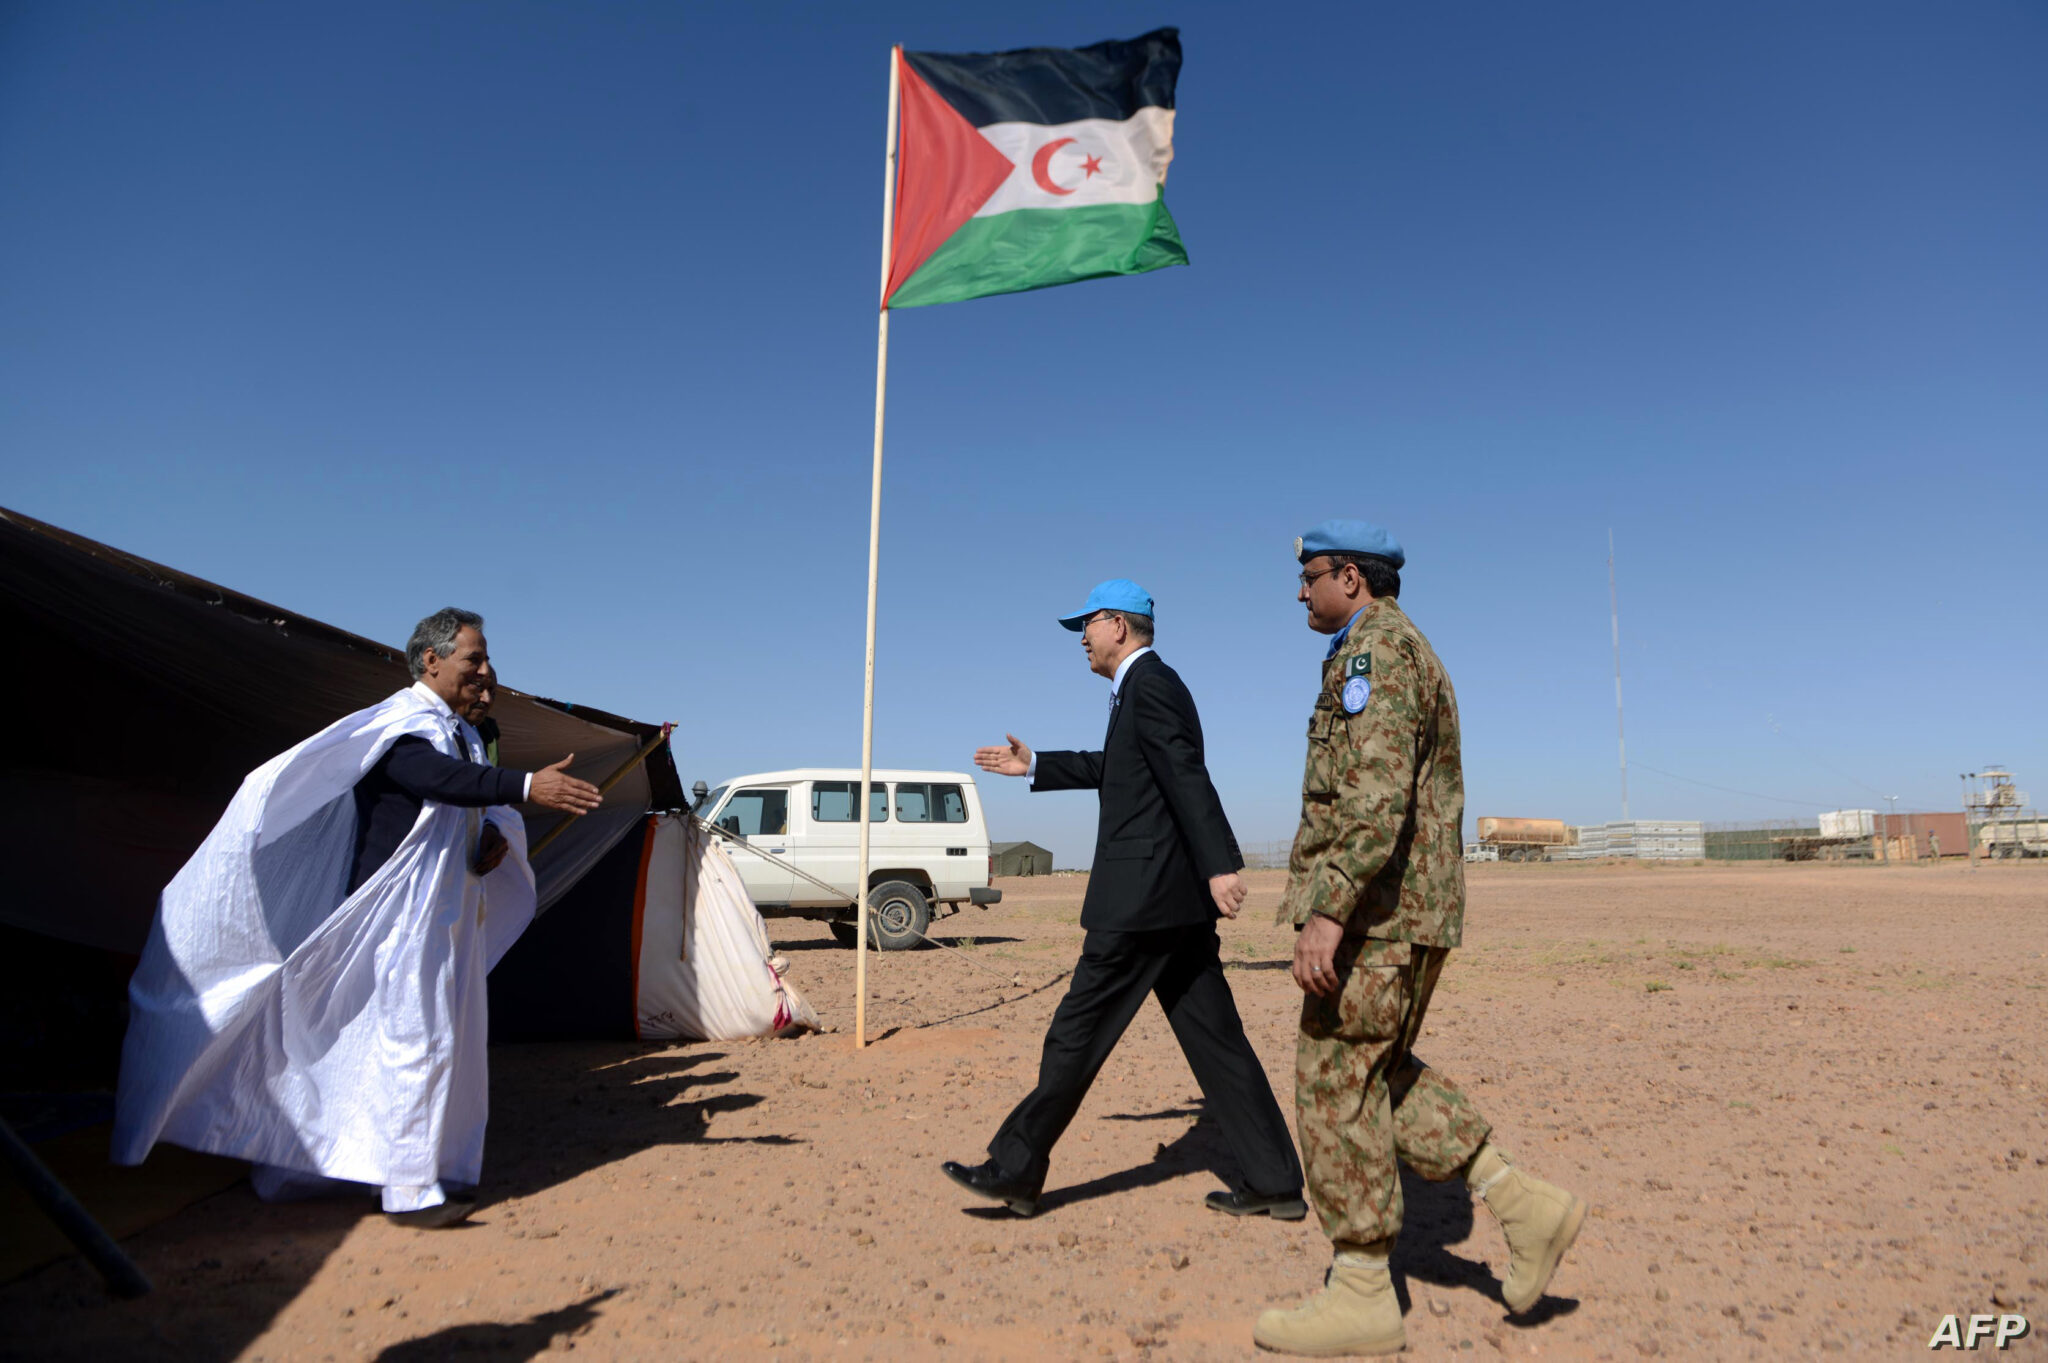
{"points": [[1162, 832], [388, 799]]}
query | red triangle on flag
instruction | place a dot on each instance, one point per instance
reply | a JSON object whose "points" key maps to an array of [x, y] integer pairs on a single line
{"points": [[945, 170]]}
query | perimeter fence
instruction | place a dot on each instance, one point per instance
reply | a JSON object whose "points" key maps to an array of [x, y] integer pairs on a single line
{"points": [[1764, 839], [1266, 856], [1756, 839]]}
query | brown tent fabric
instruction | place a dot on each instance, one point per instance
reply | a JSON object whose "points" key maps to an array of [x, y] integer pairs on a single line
{"points": [[140, 696]]}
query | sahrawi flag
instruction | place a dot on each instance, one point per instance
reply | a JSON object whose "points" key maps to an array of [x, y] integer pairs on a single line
{"points": [[1021, 170]]}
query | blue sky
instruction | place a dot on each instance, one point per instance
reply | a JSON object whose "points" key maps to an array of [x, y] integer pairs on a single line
{"points": [[566, 313]]}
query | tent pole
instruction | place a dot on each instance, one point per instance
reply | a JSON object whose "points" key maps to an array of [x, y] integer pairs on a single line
{"points": [[861, 797], [635, 760], [115, 1268]]}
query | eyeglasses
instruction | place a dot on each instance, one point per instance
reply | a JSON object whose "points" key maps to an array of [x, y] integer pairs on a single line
{"points": [[1098, 619], [1308, 579]]}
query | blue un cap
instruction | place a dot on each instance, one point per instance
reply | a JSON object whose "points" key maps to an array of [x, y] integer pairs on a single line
{"points": [[1349, 537], [1117, 594]]}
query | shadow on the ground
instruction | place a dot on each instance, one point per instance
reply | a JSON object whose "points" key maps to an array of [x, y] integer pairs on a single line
{"points": [[1437, 1216], [224, 1271], [1005, 1002], [490, 1339], [1187, 1110], [1198, 1149], [964, 942], [564, 1109]]}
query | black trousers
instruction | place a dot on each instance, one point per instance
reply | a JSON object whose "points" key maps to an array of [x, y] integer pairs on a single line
{"points": [[1116, 971]]}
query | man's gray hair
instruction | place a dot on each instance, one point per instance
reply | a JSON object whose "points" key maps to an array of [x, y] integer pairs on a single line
{"points": [[437, 632]]}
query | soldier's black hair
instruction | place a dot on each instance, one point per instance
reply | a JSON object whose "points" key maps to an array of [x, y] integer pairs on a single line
{"points": [[1382, 578]]}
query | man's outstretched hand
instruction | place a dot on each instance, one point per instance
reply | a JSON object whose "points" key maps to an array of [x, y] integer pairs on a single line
{"points": [[1014, 760], [1228, 890], [555, 788]]}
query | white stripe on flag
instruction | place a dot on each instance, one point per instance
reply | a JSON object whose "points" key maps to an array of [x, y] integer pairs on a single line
{"points": [[1100, 161]]}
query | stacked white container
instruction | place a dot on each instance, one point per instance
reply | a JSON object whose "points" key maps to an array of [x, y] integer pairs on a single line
{"points": [[1642, 840]]}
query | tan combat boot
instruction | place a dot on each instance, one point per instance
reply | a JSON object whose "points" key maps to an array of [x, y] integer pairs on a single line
{"points": [[1355, 1313], [1540, 1222]]}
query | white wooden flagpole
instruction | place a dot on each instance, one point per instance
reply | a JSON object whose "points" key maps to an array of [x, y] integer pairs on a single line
{"points": [[867, 701]]}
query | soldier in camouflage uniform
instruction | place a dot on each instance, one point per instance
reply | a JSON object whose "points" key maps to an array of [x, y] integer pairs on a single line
{"points": [[1376, 886]]}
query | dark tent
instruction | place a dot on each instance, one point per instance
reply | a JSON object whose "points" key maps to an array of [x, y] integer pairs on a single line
{"points": [[145, 695], [588, 939], [1021, 859]]}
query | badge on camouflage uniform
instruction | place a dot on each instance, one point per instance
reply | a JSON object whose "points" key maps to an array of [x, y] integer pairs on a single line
{"points": [[1360, 666], [1357, 692]]}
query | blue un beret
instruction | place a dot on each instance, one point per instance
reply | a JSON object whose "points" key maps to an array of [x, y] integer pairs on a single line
{"points": [[1117, 594], [1349, 537]]}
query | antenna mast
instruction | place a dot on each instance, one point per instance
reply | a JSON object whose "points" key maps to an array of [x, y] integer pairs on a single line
{"points": [[1614, 620]]}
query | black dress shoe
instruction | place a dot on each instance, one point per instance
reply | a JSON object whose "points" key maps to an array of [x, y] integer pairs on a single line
{"points": [[1279, 1206], [440, 1216], [989, 1181]]}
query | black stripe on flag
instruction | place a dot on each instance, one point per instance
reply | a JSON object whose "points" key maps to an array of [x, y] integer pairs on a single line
{"points": [[1056, 84]]}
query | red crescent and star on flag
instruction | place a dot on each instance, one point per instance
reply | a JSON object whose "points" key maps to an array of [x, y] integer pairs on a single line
{"points": [[1041, 166]]}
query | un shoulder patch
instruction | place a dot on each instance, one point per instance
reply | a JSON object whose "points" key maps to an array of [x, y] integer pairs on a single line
{"points": [[1357, 692], [1360, 666]]}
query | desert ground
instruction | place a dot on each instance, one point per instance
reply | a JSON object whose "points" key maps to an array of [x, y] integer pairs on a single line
{"points": [[1809, 1107]]}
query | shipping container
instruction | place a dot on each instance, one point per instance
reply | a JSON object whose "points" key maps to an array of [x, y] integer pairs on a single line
{"points": [[1920, 830]]}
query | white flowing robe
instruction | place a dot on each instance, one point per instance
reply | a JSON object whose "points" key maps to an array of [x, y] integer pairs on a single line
{"points": [[275, 1018]]}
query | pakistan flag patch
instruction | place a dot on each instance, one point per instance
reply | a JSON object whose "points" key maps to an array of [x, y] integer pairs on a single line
{"points": [[1360, 666]]}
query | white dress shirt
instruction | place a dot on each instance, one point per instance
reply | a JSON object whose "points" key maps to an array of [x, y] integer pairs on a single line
{"points": [[1116, 686]]}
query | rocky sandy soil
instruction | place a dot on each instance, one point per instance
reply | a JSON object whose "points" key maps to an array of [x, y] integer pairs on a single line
{"points": [[1809, 1106]]}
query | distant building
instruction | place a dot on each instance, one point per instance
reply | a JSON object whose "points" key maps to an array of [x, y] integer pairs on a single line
{"points": [[1021, 859]]}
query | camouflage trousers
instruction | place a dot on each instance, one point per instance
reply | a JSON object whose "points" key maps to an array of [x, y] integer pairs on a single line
{"points": [[1364, 1104]]}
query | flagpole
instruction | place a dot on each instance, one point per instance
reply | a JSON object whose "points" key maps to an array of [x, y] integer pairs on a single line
{"points": [[867, 702]]}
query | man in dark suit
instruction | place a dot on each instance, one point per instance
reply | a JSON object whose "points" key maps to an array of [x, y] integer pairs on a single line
{"points": [[1166, 866]]}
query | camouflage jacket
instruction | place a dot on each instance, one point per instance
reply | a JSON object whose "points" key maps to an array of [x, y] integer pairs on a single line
{"points": [[1381, 843]]}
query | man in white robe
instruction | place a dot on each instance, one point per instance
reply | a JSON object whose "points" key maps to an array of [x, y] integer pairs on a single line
{"points": [[312, 995]]}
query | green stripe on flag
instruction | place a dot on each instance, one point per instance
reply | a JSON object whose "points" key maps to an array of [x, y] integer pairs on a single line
{"points": [[1036, 248]]}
